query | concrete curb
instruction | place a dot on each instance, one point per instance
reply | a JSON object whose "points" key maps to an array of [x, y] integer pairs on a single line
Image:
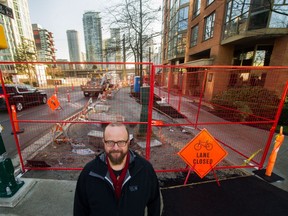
{"points": [[19, 195]]}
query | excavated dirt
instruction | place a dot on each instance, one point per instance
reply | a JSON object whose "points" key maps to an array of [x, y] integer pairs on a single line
{"points": [[81, 148], [163, 157]]}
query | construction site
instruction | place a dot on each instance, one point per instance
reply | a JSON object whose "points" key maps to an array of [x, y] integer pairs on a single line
{"points": [[188, 138]]}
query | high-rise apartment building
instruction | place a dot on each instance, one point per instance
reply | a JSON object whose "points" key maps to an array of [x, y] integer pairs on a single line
{"points": [[17, 31], [227, 32], [44, 41], [231, 32], [73, 45], [93, 36]]}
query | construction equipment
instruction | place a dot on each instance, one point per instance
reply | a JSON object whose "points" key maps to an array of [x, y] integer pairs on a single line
{"points": [[93, 87]]}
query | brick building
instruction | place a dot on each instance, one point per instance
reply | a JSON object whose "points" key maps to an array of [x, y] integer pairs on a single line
{"points": [[230, 32]]}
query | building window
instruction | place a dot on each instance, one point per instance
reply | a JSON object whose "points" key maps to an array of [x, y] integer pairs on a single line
{"points": [[259, 20], [236, 18], [183, 19], [279, 2], [260, 10], [181, 44], [183, 2], [194, 36], [209, 26], [178, 25], [262, 55], [196, 8], [209, 2], [279, 18], [258, 55]]}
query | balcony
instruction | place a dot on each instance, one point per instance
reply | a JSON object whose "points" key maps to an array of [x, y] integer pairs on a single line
{"points": [[258, 24], [239, 31]]}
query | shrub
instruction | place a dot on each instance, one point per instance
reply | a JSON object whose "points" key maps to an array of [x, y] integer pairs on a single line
{"points": [[244, 110], [245, 101]]}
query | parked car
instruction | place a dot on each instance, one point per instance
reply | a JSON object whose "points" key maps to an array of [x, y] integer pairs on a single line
{"points": [[21, 96]]}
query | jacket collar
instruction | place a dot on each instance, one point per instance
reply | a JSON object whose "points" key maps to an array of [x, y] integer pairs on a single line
{"points": [[102, 171]]}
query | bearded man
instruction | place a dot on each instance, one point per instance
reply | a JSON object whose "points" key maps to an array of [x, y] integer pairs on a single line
{"points": [[118, 181]]}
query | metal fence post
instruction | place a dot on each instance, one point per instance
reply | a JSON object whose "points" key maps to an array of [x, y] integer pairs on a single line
{"points": [[144, 98]]}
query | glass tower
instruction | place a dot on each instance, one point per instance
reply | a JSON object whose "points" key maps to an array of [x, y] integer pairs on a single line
{"points": [[73, 45], [93, 36]]}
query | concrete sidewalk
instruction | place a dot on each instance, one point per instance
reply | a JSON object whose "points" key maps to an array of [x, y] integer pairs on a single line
{"points": [[47, 197], [55, 197], [40, 197]]}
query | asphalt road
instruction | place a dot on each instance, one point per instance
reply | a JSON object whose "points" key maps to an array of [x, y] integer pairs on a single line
{"points": [[39, 112]]}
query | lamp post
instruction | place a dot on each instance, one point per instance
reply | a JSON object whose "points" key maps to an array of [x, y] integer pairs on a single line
{"points": [[115, 51], [124, 59], [141, 45]]}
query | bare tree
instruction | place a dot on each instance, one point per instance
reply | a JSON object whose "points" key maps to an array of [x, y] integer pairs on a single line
{"points": [[136, 20]]}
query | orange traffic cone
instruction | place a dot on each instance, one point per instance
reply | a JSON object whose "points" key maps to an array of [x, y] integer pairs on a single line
{"points": [[56, 89], [15, 121], [273, 156], [68, 96]]}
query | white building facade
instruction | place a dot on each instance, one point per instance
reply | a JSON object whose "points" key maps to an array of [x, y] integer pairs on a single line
{"points": [[17, 30]]}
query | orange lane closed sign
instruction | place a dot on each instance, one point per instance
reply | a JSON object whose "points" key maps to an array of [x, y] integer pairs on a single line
{"points": [[202, 153], [53, 102]]}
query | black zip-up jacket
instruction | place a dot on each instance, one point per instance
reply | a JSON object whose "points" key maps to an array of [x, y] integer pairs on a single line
{"points": [[95, 194]]}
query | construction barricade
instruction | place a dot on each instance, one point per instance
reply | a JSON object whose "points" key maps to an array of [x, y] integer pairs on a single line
{"points": [[239, 106]]}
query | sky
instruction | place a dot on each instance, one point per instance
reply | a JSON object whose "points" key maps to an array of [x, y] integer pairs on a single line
{"points": [[58, 16]]}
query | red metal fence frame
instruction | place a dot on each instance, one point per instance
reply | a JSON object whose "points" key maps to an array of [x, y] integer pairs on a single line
{"points": [[176, 99]]}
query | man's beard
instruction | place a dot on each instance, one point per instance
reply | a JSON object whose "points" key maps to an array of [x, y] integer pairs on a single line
{"points": [[116, 160]]}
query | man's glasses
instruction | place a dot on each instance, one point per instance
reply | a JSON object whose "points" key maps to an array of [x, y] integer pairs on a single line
{"points": [[110, 143]]}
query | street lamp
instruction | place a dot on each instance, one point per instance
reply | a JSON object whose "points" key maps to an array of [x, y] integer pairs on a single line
{"points": [[115, 51]]}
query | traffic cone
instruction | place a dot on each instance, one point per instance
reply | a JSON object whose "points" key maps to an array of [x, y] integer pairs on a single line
{"points": [[273, 156], [68, 96], [15, 121], [56, 89]]}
